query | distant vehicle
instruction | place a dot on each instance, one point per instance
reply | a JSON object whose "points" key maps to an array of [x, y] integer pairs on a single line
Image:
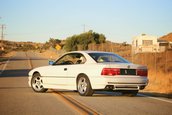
{"points": [[88, 71]]}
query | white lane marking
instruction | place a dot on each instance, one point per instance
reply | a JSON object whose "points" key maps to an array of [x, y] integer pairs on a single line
{"points": [[164, 100], [4, 66], [29, 61]]}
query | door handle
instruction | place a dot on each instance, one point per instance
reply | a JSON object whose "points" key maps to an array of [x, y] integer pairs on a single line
{"points": [[65, 69]]}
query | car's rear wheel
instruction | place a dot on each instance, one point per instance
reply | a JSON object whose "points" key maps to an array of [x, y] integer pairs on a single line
{"points": [[83, 86], [37, 83], [130, 93]]}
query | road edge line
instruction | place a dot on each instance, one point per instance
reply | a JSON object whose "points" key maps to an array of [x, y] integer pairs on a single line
{"points": [[77, 106], [155, 98], [3, 68], [29, 61], [81, 105], [69, 104]]}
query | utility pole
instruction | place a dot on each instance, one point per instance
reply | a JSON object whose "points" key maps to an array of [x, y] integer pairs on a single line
{"points": [[84, 28], [2, 32], [2, 36]]}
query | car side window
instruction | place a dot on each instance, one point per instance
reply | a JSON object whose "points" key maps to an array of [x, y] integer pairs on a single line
{"points": [[65, 60], [104, 57], [72, 58], [81, 59]]}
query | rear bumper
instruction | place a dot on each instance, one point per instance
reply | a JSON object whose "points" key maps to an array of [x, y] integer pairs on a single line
{"points": [[126, 86], [120, 83]]}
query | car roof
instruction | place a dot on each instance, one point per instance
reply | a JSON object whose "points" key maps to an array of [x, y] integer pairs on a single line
{"points": [[87, 51]]}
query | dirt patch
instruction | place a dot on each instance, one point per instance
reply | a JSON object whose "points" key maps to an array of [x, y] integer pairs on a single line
{"points": [[5, 57], [10, 54], [52, 54]]}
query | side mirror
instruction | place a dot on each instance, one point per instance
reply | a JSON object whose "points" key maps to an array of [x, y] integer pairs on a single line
{"points": [[50, 62]]}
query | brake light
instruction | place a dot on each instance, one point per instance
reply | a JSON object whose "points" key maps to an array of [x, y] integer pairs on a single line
{"points": [[142, 72], [110, 71]]}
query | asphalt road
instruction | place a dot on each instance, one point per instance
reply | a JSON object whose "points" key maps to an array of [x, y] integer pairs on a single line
{"points": [[17, 98]]}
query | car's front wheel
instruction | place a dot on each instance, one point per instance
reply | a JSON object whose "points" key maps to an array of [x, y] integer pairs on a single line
{"points": [[37, 83], [84, 87]]}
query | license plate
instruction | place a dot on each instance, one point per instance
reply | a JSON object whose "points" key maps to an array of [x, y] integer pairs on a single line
{"points": [[128, 72]]}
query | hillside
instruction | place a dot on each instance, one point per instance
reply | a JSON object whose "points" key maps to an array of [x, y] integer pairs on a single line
{"points": [[14, 46], [122, 49], [167, 37]]}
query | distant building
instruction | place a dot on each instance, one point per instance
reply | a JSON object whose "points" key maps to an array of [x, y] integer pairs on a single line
{"points": [[146, 43]]}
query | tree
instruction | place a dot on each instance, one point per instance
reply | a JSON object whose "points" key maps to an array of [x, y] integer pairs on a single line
{"points": [[51, 43], [81, 41], [71, 44], [102, 38]]}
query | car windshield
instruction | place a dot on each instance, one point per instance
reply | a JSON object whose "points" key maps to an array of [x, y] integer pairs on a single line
{"points": [[107, 57]]}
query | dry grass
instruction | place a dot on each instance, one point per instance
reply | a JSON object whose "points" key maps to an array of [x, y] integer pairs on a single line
{"points": [[6, 56], [160, 82], [52, 54], [160, 70]]}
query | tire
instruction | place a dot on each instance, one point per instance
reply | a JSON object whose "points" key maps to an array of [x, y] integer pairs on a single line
{"points": [[83, 86], [37, 83], [130, 93]]}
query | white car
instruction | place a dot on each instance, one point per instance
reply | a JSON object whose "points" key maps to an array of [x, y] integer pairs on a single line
{"points": [[88, 71]]}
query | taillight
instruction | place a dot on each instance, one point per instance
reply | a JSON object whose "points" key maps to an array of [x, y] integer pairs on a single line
{"points": [[110, 71], [142, 72]]}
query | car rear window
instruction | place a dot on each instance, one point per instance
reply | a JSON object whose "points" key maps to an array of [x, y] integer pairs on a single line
{"points": [[107, 57]]}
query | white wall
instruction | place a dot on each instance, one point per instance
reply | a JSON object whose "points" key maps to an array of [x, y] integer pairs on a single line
{"points": [[138, 46]]}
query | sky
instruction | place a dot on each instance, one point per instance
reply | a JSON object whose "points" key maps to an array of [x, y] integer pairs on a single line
{"points": [[118, 20]]}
